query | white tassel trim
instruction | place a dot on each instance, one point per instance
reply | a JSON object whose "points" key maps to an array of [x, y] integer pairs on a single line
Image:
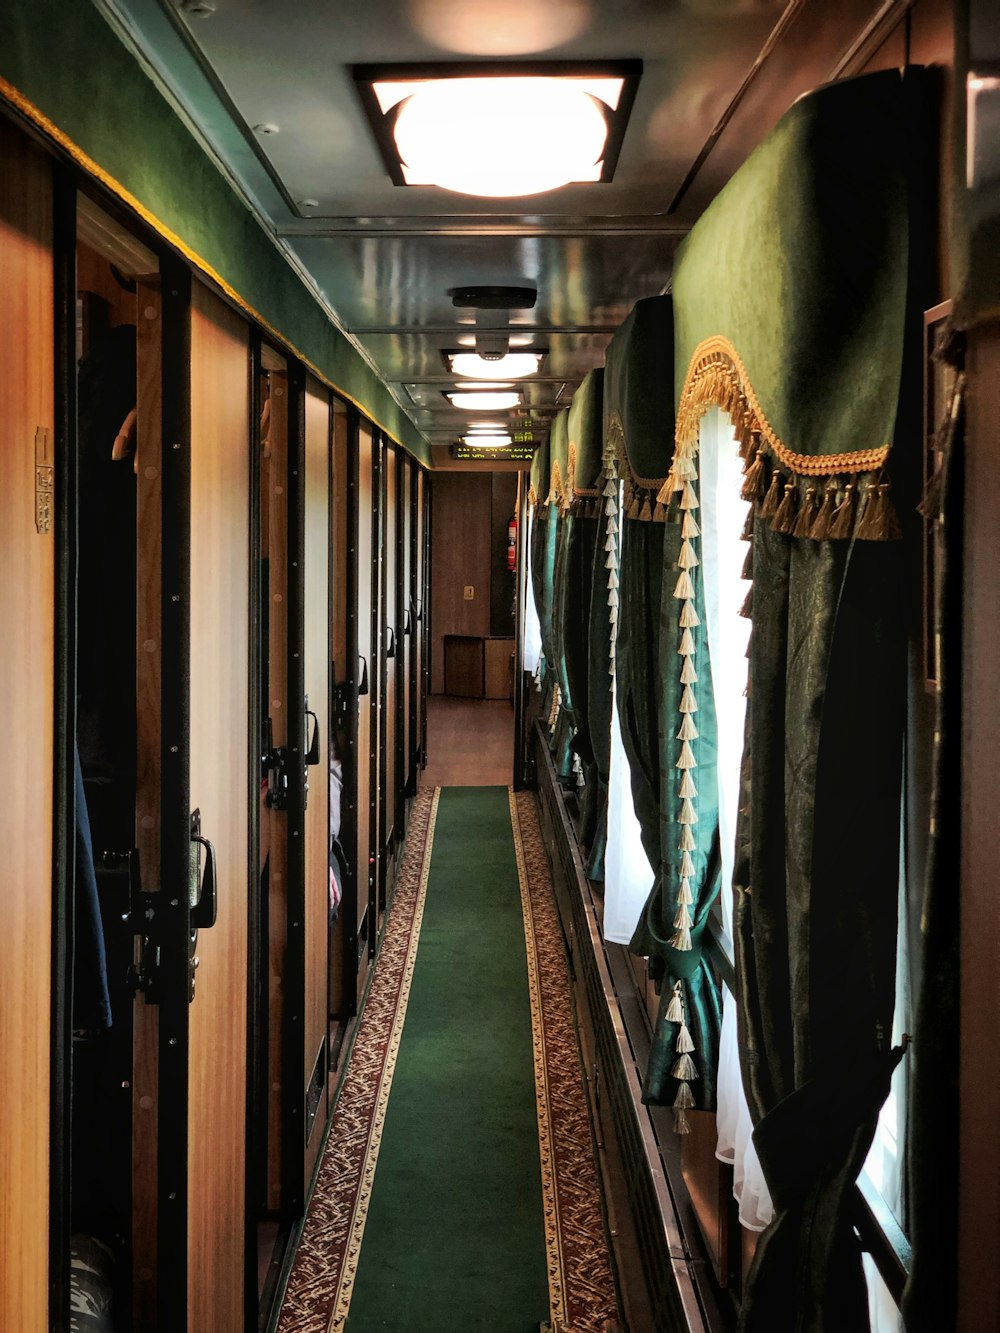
{"points": [[687, 558], [684, 1099], [609, 542], [689, 526], [688, 731], [684, 895], [613, 579], [613, 597], [682, 918], [688, 674], [612, 612], [687, 869], [684, 590], [675, 1009], [688, 815], [687, 842], [687, 759], [687, 644], [688, 703], [612, 561], [684, 1042], [689, 616], [687, 787], [681, 1123], [610, 487], [689, 500], [685, 1068]]}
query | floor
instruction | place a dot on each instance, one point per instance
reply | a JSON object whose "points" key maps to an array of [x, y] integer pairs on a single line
{"points": [[470, 742]]}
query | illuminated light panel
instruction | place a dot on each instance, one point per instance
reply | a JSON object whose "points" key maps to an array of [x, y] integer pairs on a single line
{"points": [[515, 365], [484, 402], [484, 441], [499, 129], [500, 137], [478, 385]]}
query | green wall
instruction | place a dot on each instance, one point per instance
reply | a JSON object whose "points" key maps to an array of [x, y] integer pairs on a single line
{"points": [[62, 58]]}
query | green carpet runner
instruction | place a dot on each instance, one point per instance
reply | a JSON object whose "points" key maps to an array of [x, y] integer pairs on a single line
{"points": [[454, 1238]]}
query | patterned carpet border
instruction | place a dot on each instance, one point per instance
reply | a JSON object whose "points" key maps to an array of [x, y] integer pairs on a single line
{"points": [[322, 1278], [581, 1280]]}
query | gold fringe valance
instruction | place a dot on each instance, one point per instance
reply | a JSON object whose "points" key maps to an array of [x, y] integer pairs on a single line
{"points": [[821, 497], [640, 499]]}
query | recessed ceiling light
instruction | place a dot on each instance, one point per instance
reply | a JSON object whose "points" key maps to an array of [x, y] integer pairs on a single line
{"points": [[308, 203], [499, 130], [480, 401], [268, 127], [480, 441], [515, 365]]}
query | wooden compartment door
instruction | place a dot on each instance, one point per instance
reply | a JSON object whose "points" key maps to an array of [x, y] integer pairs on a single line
{"points": [[220, 788], [27, 595], [317, 651], [392, 651], [407, 616], [366, 676]]}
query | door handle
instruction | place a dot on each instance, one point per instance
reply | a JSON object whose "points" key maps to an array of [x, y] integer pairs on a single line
{"points": [[312, 753], [206, 910], [408, 622], [363, 683], [391, 650]]}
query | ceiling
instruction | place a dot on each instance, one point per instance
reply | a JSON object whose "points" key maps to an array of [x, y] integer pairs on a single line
{"points": [[717, 75]]}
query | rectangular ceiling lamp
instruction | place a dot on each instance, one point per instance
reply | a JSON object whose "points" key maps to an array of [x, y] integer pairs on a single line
{"points": [[499, 129]]}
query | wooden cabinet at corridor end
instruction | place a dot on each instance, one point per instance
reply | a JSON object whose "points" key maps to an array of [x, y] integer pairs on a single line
{"points": [[214, 713]]}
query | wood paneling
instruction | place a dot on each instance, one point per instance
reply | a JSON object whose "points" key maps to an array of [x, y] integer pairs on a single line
{"points": [[317, 667], [148, 311], [365, 721], [499, 668], [392, 623], [220, 786], [274, 499], [26, 732], [339, 593], [420, 628], [462, 509], [407, 619]]}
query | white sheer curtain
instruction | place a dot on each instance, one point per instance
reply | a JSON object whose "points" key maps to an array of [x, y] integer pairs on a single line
{"points": [[628, 877], [532, 629], [722, 516]]}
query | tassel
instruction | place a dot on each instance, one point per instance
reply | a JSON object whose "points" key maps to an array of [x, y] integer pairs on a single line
{"points": [[784, 519], [613, 579], [689, 527], [633, 509], [681, 1123], [772, 499], [681, 941], [685, 1068], [687, 644], [688, 674], [747, 534], [820, 530], [684, 1043], [688, 499], [646, 512], [687, 759], [612, 561], [660, 512], [684, 590], [611, 508], [687, 787], [807, 514], [610, 487], [748, 564], [878, 521], [675, 1010], [666, 491], [687, 558], [685, 897], [687, 866], [682, 918], [685, 467], [684, 1099], [843, 518], [612, 598], [612, 615], [688, 703], [746, 610], [689, 618], [613, 526], [688, 814], [687, 842], [753, 482], [688, 731]]}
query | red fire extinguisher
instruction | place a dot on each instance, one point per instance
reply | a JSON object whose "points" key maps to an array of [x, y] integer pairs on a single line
{"points": [[512, 543]]}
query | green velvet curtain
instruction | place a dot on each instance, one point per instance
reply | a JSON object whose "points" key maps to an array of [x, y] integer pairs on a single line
{"points": [[542, 559], [561, 522], [792, 295], [585, 448]]}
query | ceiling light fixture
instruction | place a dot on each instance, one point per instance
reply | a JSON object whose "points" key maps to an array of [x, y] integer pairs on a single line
{"points": [[515, 365], [481, 441], [479, 400], [499, 130]]}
